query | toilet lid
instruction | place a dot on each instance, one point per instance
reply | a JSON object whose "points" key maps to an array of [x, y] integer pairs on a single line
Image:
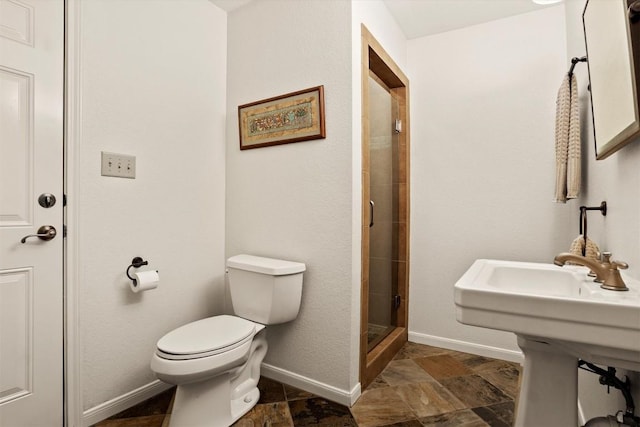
{"points": [[206, 337]]}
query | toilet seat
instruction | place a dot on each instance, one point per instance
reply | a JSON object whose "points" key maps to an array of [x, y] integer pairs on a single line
{"points": [[206, 337]]}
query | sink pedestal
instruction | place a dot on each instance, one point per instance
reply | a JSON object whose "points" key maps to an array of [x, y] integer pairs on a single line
{"points": [[559, 315], [549, 389]]}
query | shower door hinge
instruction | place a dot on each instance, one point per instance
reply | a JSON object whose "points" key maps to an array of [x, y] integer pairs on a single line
{"points": [[397, 126], [396, 302]]}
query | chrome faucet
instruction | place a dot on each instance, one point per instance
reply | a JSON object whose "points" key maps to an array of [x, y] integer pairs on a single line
{"points": [[607, 271]]}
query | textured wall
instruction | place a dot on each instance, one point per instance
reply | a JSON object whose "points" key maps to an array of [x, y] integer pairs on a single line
{"points": [[153, 85], [482, 111], [303, 201], [294, 201], [616, 180]]}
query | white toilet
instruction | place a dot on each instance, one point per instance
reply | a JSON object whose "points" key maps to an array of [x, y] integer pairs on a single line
{"points": [[215, 362]]}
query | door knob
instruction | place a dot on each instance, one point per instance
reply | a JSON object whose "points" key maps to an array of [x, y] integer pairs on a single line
{"points": [[46, 233]]}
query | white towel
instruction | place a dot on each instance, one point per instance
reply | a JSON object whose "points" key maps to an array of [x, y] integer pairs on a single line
{"points": [[590, 249], [567, 141]]}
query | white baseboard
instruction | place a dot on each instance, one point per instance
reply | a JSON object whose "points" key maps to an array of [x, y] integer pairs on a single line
{"points": [[132, 398], [343, 397], [125, 401], [467, 347]]}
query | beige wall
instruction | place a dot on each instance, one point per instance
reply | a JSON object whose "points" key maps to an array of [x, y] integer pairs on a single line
{"points": [[483, 110], [152, 82], [302, 201], [616, 180], [293, 201], [482, 163]]}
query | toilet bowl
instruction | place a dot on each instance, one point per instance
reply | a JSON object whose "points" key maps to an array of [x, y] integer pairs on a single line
{"points": [[215, 362]]}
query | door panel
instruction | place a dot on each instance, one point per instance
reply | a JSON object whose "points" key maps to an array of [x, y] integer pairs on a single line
{"points": [[31, 163], [16, 302], [16, 21], [16, 128]]}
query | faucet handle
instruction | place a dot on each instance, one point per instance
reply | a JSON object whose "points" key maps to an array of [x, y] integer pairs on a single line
{"points": [[613, 280], [619, 265]]}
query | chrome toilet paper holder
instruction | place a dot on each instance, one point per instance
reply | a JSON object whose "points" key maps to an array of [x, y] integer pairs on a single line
{"points": [[137, 262]]}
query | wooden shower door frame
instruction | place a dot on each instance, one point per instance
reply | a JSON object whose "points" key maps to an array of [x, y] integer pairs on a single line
{"points": [[376, 60]]}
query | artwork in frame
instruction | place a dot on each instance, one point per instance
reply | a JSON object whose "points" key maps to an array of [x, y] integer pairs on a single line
{"points": [[294, 117]]}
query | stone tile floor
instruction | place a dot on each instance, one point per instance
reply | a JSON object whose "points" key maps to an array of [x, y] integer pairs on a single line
{"points": [[422, 386]]}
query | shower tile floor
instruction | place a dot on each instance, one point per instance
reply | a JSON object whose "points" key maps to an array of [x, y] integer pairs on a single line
{"points": [[421, 386]]}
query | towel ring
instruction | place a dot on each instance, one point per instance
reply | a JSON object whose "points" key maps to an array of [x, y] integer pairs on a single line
{"points": [[574, 61], [583, 221]]}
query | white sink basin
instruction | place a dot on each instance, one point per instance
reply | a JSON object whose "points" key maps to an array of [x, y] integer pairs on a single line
{"points": [[559, 316], [551, 302]]}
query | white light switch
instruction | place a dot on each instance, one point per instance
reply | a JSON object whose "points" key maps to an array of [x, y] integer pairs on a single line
{"points": [[118, 165]]}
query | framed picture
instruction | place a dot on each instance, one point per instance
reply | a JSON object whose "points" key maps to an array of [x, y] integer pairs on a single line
{"points": [[294, 117]]}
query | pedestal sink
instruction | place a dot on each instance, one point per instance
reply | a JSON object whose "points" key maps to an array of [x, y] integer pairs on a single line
{"points": [[559, 316]]}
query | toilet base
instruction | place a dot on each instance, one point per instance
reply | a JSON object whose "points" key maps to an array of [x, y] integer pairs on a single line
{"points": [[242, 405], [223, 399], [206, 403]]}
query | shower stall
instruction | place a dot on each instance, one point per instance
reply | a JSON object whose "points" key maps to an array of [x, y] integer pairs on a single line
{"points": [[385, 209]]}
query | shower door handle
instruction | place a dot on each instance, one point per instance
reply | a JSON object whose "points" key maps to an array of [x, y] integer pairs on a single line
{"points": [[371, 206]]}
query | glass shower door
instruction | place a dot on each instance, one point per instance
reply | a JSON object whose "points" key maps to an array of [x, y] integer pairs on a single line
{"points": [[383, 215]]}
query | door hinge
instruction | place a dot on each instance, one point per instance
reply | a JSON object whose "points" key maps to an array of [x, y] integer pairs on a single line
{"points": [[64, 231]]}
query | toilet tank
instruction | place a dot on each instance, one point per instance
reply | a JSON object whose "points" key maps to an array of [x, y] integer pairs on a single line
{"points": [[265, 290]]}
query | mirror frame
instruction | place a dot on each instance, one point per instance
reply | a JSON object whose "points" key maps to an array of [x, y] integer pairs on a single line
{"points": [[628, 134]]}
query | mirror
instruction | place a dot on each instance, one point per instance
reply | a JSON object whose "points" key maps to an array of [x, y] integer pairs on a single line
{"points": [[612, 38]]}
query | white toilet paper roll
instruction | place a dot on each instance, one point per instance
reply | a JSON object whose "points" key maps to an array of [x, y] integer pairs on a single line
{"points": [[145, 280]]}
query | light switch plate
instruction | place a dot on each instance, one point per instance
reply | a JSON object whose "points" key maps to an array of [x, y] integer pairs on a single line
{"points": [[118, 165]]}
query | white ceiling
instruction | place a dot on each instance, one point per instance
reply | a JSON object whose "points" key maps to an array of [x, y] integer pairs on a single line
{"points": [[229, 5], [418, 18]]}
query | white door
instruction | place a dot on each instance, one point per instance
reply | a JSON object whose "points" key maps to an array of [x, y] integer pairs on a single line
{"points": [[31, 164]]}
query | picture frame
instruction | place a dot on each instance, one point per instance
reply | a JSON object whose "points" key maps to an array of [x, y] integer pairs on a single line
{"points": [[293, 117]]}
